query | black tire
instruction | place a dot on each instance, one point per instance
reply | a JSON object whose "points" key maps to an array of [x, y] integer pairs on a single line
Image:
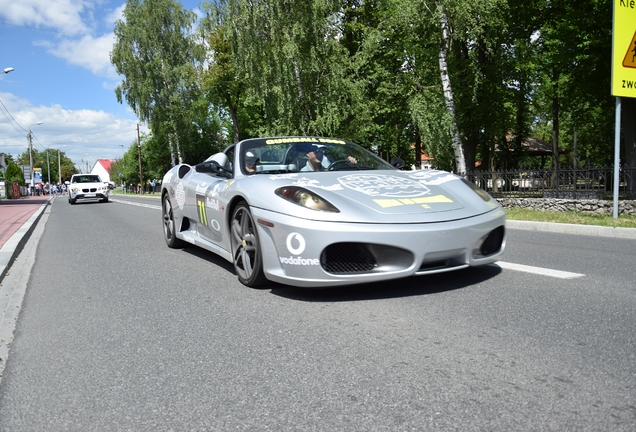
{"points": [[246, 248], [71, 201], [105, 200], [169, 227]]}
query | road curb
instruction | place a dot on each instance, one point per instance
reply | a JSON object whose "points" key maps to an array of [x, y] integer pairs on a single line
{"points": [[12, 248], [592, 230]]}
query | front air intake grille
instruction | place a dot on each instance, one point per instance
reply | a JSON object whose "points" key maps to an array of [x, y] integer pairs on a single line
{"points": [[346, 258], [492, 243], [356, 258]]}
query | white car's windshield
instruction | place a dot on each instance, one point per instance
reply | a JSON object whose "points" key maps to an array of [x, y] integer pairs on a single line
{"points": [[86, 179], [306, 154]]}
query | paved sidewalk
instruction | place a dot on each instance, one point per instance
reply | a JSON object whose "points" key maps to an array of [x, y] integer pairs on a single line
{"points": [[18, 218]]}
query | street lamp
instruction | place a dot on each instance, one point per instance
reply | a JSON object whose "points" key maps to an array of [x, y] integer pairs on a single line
{"points": [[7, 70], [30, 140]]}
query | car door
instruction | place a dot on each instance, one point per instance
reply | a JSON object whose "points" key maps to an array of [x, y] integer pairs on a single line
{"points": [[204, 209], [207, 209]]}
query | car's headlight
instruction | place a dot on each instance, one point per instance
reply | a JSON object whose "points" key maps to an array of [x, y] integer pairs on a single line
{"points": [[479, 191], [305, 198]]}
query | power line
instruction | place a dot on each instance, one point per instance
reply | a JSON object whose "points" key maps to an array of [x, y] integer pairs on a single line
{"points": [[14, 120]]}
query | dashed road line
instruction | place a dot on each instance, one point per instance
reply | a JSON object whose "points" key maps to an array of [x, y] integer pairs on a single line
{"points": [[538, 270], [156, 207]]}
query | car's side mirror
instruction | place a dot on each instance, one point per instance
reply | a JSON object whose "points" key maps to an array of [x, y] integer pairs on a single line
{"points": [[397, 162], [213, 167]]}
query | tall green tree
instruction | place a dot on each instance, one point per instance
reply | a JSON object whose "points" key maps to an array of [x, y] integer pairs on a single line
{"points": [[223, 80], [14, 173], [574, 59], [157, 55], [289, 52]]}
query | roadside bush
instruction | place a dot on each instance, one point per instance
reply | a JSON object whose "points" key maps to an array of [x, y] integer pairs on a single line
{"points": [[14, 174]]}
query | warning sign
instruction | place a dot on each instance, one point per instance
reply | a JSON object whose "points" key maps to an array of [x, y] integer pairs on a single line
{"points": [[624, 48], [630, 58]]}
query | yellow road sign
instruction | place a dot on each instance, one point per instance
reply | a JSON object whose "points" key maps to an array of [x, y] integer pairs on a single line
{"points": [[624, 49], [630, 58]]}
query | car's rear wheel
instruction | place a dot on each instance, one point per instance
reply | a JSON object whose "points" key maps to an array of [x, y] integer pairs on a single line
{"points": [[248, 259], [169, 231]]}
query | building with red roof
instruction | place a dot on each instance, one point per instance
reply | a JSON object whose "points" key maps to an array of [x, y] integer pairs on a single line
{"points": [[102, 169]]}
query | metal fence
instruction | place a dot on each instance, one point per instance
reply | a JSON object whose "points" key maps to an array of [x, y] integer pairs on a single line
{"points": [[569, 183]]}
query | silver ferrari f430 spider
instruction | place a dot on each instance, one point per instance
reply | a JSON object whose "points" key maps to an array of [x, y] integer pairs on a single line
{"points": [[320, 212]]}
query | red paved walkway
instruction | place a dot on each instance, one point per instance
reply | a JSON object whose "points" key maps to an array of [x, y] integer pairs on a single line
{"points": [[15, 212]]}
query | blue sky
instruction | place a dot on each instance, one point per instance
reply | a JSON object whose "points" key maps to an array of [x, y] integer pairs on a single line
{"points": [[62, 77]]}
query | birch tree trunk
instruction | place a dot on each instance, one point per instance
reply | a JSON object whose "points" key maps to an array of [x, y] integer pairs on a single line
{"points": [[177, 146], [460, 161], [172, 157]]}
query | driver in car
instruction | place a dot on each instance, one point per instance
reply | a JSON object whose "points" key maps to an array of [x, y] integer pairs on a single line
{"points": [[316, 160]]}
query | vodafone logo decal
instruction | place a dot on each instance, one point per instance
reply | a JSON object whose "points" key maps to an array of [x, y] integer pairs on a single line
{"points": [[295, 243]]}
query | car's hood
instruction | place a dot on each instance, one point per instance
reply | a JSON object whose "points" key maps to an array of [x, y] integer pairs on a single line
{"points": [[374, 196]]}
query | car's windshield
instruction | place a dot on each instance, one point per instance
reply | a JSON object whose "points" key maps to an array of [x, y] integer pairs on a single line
{"points": [[306, 154], [86, 179]]}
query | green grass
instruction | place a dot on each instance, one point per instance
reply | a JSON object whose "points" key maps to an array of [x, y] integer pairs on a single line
{"points": [[623, 221]]}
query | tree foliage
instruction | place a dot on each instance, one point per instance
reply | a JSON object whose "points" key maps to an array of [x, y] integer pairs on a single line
{"points": [[14, 173], [371, 71], [50, 166], [158, 54]]}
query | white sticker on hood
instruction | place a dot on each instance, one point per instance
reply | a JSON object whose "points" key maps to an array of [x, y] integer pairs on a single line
{"points": [[382, 185], [433, 177], [305, 182], [180, 195]]}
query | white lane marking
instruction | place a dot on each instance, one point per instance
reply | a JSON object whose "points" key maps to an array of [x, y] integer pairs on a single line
{"points": [[538, 270], [136, 204]]}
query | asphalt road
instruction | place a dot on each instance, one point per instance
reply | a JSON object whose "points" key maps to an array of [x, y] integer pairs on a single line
{"points": [[118, 332]]}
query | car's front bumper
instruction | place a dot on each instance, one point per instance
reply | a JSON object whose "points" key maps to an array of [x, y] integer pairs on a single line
{"points": [[320, 254], [91, 196]]}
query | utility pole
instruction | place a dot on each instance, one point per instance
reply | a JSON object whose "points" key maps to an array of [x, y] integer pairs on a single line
{"points": [[48, 168], [30, 139], [141, 177]]}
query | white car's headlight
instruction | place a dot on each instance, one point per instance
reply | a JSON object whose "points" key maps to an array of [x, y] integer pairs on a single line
{"points": [[305, 198]]}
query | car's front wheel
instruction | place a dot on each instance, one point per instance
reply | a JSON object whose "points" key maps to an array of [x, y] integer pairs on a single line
{"points": [[248, 260], [71, 201], [169, 232]]}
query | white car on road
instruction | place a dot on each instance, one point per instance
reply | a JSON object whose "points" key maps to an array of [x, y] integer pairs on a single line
{"points": [[87, 187]]}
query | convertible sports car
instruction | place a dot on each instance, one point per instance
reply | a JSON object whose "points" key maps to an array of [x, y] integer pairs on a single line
{"points": [[319, 212]]}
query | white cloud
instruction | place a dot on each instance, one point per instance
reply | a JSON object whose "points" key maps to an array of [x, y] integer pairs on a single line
{"points": [[115, 15], [88, 52], [73, 19], [98, 134], [65, 16]]}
